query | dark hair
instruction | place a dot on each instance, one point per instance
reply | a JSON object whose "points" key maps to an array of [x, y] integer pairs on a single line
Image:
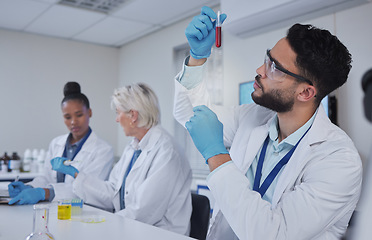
{"points": [[72, 91], [321, 57]]}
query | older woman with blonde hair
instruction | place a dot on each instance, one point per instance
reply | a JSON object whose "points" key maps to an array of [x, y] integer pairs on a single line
{"points": [[151, 182]]}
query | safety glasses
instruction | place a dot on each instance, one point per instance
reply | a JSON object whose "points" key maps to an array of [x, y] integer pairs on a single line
{"points": [[276, 72]]}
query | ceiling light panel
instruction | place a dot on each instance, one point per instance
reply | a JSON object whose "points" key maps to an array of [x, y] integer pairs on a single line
{"points": [[103, 6]]}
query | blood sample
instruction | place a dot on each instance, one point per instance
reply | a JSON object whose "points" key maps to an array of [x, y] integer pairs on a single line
{"points": [[218, 30]]}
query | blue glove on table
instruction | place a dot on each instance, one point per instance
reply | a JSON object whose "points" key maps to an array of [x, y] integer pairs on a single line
{"points": [[201, 33], [57, 165], [14, 188], [207, 132], [29, 196]]}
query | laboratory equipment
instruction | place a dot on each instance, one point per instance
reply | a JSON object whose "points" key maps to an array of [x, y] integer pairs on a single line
{"points": [[40, 160], [27, 161], [218, 30], [76, 206], [64, 209], [14, 164], [40, 227]]}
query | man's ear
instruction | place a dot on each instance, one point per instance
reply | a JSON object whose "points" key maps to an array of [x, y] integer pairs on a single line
{"points": [[307, 93]]}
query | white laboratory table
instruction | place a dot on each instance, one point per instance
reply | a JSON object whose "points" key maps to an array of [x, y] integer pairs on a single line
{"points": [[16, 223]]}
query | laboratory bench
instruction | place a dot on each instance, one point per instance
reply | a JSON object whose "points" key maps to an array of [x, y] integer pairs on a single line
{"points": [[16, 222]]}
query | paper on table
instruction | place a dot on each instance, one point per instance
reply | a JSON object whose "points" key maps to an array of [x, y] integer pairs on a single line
{"points": [[4, 189]]}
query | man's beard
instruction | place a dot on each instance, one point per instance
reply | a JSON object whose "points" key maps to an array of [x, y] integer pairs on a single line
{"points": [[277, 100]]}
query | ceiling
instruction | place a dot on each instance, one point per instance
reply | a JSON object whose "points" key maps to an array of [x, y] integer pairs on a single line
{"points": [[132, 20]]}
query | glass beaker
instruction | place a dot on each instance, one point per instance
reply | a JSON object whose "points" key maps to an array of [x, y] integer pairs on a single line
{"points": [[64, 209], [41, 217]]}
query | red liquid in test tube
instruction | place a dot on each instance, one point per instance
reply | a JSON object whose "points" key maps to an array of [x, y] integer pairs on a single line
{"points": [[218, 30], [218, 37]]}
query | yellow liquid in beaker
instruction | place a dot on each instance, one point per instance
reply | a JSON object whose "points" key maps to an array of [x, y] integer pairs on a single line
{"points": [[64, 212]]}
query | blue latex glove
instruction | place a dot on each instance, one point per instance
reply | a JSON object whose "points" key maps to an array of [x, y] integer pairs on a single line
{"points": [[201, 33], [57, 165], [29, 196], [14, 188], [207, 132]]}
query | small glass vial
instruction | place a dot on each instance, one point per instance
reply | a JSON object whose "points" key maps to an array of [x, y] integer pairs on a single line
{"points": [[41, 217]]}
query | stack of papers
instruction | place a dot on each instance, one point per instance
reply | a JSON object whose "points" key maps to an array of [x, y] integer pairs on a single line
{"points": [[4, 194]]}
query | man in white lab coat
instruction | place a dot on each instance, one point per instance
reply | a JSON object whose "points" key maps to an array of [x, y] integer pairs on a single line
{"points": [[361, 230], [290, 173]]}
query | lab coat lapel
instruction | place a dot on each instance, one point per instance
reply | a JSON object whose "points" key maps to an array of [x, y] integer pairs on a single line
{"points": [[124, 163], [146, 144], [61, 145], [255, 142], [317, 133]]}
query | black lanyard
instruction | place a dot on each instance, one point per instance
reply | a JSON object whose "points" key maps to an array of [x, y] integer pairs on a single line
{"points": [[270, 178]]}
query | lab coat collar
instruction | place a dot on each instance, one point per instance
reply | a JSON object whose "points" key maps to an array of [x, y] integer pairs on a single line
{"points": [[321, 127], [148, 141], [88, 146], [146, 144]]}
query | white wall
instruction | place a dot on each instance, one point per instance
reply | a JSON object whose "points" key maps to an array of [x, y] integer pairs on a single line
{"points": [[33, 71], [149, 60]]}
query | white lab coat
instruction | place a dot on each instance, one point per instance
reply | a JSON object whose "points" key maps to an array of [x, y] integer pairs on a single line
{"points": [[315, 195], [96, 158], [157, 189], [361, 229]]}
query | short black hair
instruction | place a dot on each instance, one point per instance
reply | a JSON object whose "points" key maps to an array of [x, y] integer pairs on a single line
{"points": [[321, 57], [72, 91]]}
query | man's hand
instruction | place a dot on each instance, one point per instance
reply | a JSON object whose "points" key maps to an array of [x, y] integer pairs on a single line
{"points": [[207, 132], [201, 32]]}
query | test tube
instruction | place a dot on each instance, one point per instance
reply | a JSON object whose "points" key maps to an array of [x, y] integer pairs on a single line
{"points": [[218, 30]]}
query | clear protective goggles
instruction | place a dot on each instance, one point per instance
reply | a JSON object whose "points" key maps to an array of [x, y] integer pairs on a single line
{"points": [[278, 73]]}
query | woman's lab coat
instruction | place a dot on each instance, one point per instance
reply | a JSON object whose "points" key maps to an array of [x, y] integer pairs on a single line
{"points": [[95, 158], [315, 195], [157, 189]]}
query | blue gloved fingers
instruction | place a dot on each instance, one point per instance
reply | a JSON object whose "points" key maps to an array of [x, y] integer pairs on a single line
{"points": [[204, 113], [14, 188], [199, 27], [223, 17], [211, 14], [15, 199], [204, 24], [57, 162], [14, 192], [202, 108], [57, 165], [208, 12], [28, 196]]}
